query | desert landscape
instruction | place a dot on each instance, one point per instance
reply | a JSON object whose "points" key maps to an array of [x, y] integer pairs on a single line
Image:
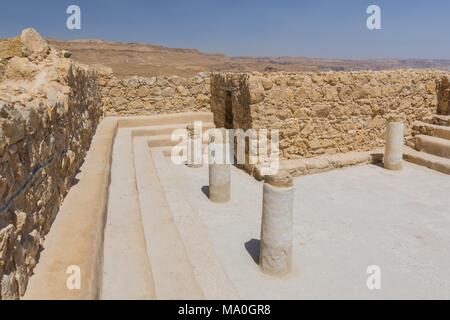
{"points": [[135, 59]]}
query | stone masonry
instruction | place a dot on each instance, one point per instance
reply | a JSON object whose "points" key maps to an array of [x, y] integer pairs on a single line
{"points": [[326, 113], [49, 110], [444, 96], [157, 95]]}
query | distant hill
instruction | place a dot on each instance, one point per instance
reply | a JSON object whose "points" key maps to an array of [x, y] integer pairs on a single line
{"points": [[128, 59]]}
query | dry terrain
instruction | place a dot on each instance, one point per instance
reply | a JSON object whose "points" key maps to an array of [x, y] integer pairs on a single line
{"points": [[130, 59]]}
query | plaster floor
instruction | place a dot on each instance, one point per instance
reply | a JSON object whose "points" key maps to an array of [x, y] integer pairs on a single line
{"points": [[126, 269], [345, 221], [164, 239]]}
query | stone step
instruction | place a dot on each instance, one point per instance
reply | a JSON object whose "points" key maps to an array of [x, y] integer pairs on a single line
{"points": [[164, 141], [167, 151], [437, 131], [427, 160], [209, 272], [440, 120], [166, 129], [161, 141], [124, 240], [168, 119], [173, 274], [325, 163], [432, 145]]}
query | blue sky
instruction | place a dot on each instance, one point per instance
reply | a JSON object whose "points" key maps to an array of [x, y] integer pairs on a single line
{"points": [[314, 28]]}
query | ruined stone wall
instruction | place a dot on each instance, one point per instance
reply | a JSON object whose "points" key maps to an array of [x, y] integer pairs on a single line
{"points": [[49, 110], [231, 88], [156, 95], [444, 95], [328, 113]]}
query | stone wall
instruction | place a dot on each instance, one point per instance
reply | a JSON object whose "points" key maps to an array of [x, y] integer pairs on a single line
{"points": [[156, 95], [327, 113], [49, 110], [444, 96], [231, 90]]}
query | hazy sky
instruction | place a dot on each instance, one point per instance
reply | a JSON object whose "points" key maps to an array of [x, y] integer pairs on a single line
{"points": [[315, 28]]}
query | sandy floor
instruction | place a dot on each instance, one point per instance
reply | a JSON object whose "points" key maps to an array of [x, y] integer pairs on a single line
{"points": [[345, 221]]}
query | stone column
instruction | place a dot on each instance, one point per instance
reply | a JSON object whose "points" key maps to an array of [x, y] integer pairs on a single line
{"points": [[277, 225], [393, 154], [219, 169], [219, 183], [194, 147]]}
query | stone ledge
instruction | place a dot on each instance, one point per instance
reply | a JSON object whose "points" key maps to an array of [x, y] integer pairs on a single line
{"points": [[76, 237], [432, 130], [427, 160], [302, 167]]}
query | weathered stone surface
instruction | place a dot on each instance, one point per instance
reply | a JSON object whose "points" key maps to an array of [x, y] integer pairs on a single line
{"points": [[5, 237], [377, 122], [156, 95], [49, 110], [34, 43], [277, 225], [323, 163], [283, 180], [9, 287], [332, 112], [20, 68], [321, 110], [219, 183], [267, 84], [393, 155], [443, 100], [11, 48]]}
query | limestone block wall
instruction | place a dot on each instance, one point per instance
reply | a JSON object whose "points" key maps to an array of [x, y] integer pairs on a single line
{"points": [[444, 96], [49, 111], [156, 95], [327, 113]]}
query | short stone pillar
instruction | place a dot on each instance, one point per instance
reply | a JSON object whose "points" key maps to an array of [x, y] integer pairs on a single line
{"points": [[219, 169], [277, 225], [393, 154], [219, 183], [194, 147]]}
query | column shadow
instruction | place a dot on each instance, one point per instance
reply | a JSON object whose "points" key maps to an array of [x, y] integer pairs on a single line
{"points": [[253, 247], [205, 190]]}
